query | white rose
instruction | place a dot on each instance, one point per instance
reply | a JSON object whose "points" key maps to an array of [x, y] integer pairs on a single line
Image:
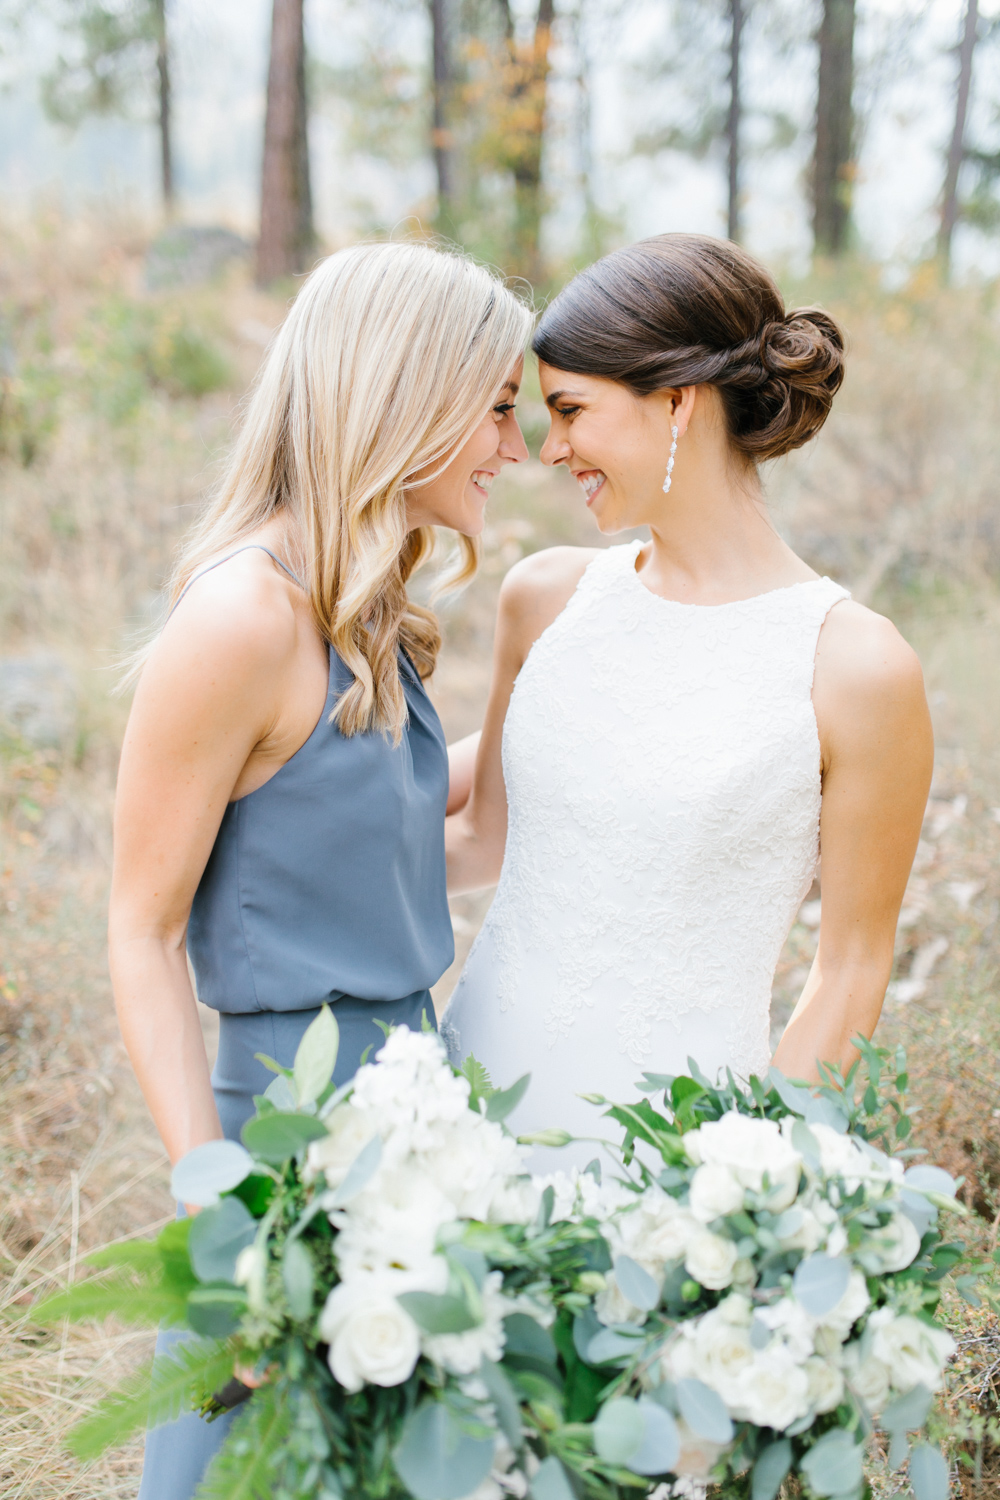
{"points": [[710, 1260], [898, 1244], [788, 1321], [251, 1272], [842, 1318], [715, 1192], [698, 1456], [826, 1385], [752, 1149], [803, 1230], [722, 1353], [664, 1233], [612, 1306], [372, 1340], [773, 1389], [914, 1351], [462, 1353], [350, 1131], [868, 1378]]}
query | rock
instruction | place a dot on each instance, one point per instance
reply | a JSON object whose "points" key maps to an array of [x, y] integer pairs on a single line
{"points": [[186, 254], [38, 701]]}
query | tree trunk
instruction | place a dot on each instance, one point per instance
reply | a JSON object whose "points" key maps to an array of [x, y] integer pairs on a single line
{"points": [[956, 150], [441, 139], [735, 117], [286, 227], [833, 167], [163, 77], [528, 161]]}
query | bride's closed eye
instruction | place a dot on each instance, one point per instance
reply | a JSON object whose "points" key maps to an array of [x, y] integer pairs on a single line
{"points": [[566, 411], [504, 407]]}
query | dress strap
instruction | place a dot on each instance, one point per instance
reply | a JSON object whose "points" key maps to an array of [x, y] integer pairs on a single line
{"points": [[250, 547]]}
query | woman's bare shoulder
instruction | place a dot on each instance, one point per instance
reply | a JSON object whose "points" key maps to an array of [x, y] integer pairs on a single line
{"points": [[538, 588], [869, 681]]}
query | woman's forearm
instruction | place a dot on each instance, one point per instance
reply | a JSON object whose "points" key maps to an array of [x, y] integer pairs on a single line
{"points": [[461, 770], [474, 854], [839, 1002], [159, 1023]]}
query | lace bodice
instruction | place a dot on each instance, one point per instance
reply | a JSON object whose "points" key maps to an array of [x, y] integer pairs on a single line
{"points": [[662, 766]]}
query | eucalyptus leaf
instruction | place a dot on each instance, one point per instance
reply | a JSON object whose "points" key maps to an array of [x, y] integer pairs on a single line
{"points": [[834, 1465], [921, 1213], [359, 1173], [522, 1335], [907, 1412], [277, 1137], [504, 1101], [791, 1095], [208, 1170], [823, 1111], [298, 1277], [618, 1431], [550, 1481], [280, 1093], [660, 1447], [437, 1314], [586, 1327], [927, 1179], [820, 1282], [928, 1473], [635, 1283], [770, 1468], [436, 1459], [216, 1237], [316, 1056], [215, 1311], [505, 1403], [806, 1144], [612, 1343], [704, 1411]]}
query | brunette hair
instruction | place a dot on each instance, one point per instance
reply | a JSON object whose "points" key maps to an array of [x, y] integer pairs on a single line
{"points": [[687, 309]]}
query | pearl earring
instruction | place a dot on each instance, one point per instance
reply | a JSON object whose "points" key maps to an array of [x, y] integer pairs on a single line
{"points": [[670, 460]]}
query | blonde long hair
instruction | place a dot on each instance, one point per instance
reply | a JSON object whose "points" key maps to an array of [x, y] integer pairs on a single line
{"points": [[390, 356]]}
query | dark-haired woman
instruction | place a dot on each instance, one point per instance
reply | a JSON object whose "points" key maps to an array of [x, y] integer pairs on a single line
{"points": [[675, 728]]}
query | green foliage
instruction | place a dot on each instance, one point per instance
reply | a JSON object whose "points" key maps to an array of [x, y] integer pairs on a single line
{"points": [[244, 1468], [129, 349], [174, 1383], [108, 61], [29, 386]]}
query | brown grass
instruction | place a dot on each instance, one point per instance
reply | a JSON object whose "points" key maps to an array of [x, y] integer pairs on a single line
{"points": [[896, 497]]}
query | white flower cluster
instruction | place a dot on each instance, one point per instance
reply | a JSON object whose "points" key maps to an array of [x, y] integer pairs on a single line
{"points": [[770, 1360], [440, 1163]]}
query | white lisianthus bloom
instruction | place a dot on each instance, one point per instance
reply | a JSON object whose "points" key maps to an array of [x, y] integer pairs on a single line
{"points": [[470, 1161], [898, 1244], [612, 1306], [710, 1260], [412, 1093], [656, 1230], [868, 1377], [516, 1201], [752, 1149], [721, 1352], [842, 1318], [715, 1192], [350, 1131], [372, 1340], [773, 1389], [913, 1351], [826, 1385], [462, 1353]]}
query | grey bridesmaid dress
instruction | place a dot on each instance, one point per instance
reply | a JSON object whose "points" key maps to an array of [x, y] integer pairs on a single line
{"points": [[324, 886]]}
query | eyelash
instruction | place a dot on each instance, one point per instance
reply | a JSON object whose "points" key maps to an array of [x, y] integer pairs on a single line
{"points": [[567, 411], [505, 407]]}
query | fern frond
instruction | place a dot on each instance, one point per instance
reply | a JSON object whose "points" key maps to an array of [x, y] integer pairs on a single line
{"points": [[141, 1256], [143, 1302], [243, 1469], [160, 1393], [479, 1080]]}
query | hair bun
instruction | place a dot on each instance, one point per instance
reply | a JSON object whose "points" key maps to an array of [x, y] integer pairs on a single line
{"points": [[803, 356]]}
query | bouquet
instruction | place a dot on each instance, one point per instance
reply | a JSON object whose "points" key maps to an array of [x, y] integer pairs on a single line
{"points": [[735, 1304], [379, 1255], [776, 1276]]}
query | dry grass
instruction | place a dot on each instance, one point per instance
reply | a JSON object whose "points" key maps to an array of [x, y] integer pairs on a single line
{"points": [[895, 498]]}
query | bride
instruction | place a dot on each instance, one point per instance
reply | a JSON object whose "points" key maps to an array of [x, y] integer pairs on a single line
{"points": [[675, 728]]}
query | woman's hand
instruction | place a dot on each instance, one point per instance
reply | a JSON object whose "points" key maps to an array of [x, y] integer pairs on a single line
{"points": [[877, 756]]}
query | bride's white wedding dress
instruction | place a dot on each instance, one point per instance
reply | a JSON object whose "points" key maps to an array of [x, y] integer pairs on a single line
{"points": [[662, 766]]}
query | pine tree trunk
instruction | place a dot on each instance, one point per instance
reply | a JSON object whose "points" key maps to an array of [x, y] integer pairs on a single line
{"points": [[528, 166], [286, 227], [441, 139], [164, 122], [956, 150], [735, 117], [833, 167]]}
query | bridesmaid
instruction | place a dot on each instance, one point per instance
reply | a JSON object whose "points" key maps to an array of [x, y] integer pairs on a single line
{"points": [[284, 777]]}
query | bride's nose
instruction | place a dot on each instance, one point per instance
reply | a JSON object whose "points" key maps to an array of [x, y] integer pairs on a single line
{"points": [[555, 450]]}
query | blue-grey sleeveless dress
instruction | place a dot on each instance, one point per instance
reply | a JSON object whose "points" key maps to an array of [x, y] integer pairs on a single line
{"points": [[325, 885]]}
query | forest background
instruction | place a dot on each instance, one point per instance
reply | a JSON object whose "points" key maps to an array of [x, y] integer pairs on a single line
{"points": [[165, 175]]}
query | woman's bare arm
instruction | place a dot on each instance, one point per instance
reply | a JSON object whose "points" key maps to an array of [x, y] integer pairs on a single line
{"points": [[878, 754], [461, 769], [209, 695], [533, 593]]}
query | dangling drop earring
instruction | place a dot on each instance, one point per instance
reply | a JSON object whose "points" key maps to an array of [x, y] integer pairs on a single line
{"points": [[670, 460]]}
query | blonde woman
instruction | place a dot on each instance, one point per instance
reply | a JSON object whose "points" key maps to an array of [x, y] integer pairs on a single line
{"points": [[284, 777]]}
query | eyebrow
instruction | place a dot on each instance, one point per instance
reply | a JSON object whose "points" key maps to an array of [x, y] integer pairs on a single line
{"points": [[558, 396]]}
